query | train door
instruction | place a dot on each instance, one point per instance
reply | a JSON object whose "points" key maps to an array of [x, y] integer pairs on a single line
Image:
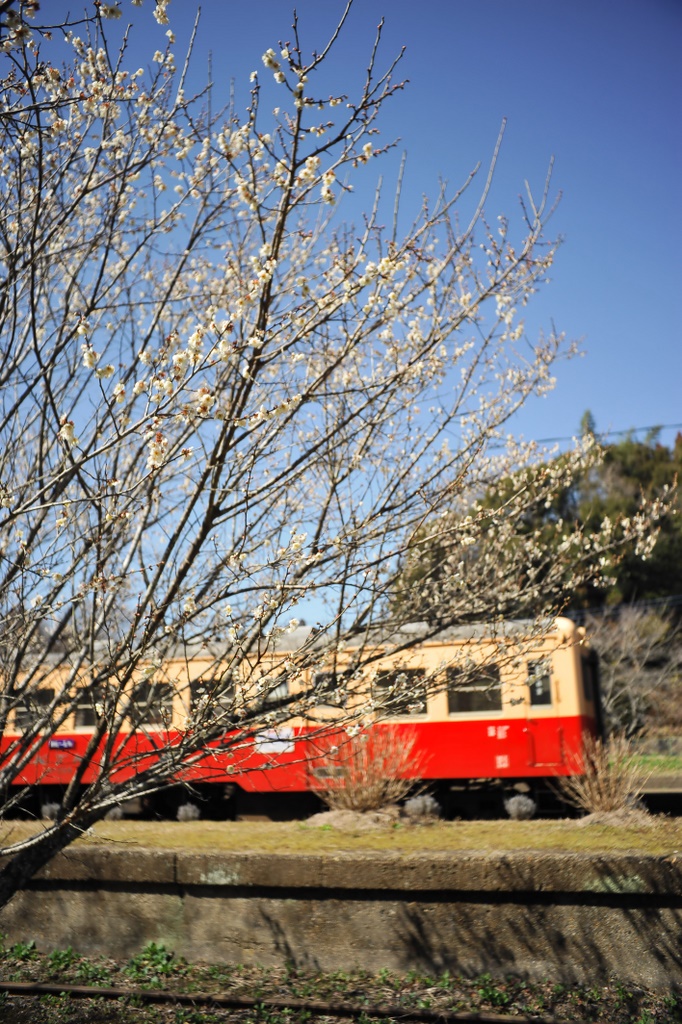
{"points": [[589, 664], [545, 735]]}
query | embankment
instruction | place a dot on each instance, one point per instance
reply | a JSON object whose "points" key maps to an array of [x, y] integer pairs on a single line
{"points": [[565, 916]]}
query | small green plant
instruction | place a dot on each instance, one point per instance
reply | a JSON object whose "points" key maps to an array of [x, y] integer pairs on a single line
{"points": [[415, 976], [23, 951], [219, 972], [266, 1015], [92, 974], [61, 959], [56, 1002], [623, 995], [645, 1018], [183, 1016], [303, 988], [152, 964], [490, 993]]}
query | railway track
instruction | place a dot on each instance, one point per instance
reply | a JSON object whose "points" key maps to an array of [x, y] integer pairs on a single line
{"points": [[312, 1008]]}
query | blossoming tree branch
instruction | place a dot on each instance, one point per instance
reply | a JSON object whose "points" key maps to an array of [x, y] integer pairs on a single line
{"points": [[220, 401]]}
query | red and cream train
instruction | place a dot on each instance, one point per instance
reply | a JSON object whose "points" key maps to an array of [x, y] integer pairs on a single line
{"points": [[519, 722]]}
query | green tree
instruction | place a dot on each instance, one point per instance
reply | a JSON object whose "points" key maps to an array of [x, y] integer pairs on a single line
{"points": [[632, 469]]}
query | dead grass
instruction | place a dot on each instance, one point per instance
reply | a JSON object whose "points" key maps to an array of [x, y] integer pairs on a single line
{"points": [[608, 779], [368, 772], [660, 836]]}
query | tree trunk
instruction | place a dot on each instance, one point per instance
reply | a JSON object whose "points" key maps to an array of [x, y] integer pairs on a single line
{"points": [[18, 870]]}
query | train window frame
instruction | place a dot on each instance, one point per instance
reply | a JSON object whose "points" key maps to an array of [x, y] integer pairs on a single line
{"points": [[540, 670], [159, 702], [85, 715], [409, 710], [588, 674], [29, 710], [488, 689]]}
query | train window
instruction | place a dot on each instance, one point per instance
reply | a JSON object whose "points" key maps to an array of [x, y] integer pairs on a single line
{"points": [[32, 708], [482, 692], [332, 688], [540, 683], [400, 691], [154, 702], [86, 714], [217, 694]]}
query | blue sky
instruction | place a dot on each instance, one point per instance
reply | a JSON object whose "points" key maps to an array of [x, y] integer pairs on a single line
{"points": [[597, 84]]}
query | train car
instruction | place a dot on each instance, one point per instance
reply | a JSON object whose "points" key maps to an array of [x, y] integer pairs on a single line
{"points": [[481, 709]]}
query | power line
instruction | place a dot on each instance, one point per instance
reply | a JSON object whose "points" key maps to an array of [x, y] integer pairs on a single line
{"points": [[613, 433]]}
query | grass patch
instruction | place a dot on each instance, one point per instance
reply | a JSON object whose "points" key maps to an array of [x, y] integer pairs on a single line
{"points": [[663, 764], [660, 836]]}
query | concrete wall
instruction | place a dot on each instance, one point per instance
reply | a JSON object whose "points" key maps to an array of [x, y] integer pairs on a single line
{"points": [[568, 917]]}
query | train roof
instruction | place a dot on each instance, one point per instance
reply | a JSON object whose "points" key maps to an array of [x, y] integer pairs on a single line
{"points": [[318, 637], [404, 635], [424, 633]]}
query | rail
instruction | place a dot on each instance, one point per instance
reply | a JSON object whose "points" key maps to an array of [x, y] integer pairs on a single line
{"points": [[380, 1011]]}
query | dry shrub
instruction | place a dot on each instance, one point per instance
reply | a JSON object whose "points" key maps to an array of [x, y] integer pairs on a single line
{"points": [[367, 772], [607, 779]]}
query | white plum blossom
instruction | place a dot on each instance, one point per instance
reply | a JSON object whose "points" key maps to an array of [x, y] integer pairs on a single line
{"points": [[310, 170], [204, 401], [160, 11], [270, 60], [157, 445], [66, 432], [90, 357]]}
